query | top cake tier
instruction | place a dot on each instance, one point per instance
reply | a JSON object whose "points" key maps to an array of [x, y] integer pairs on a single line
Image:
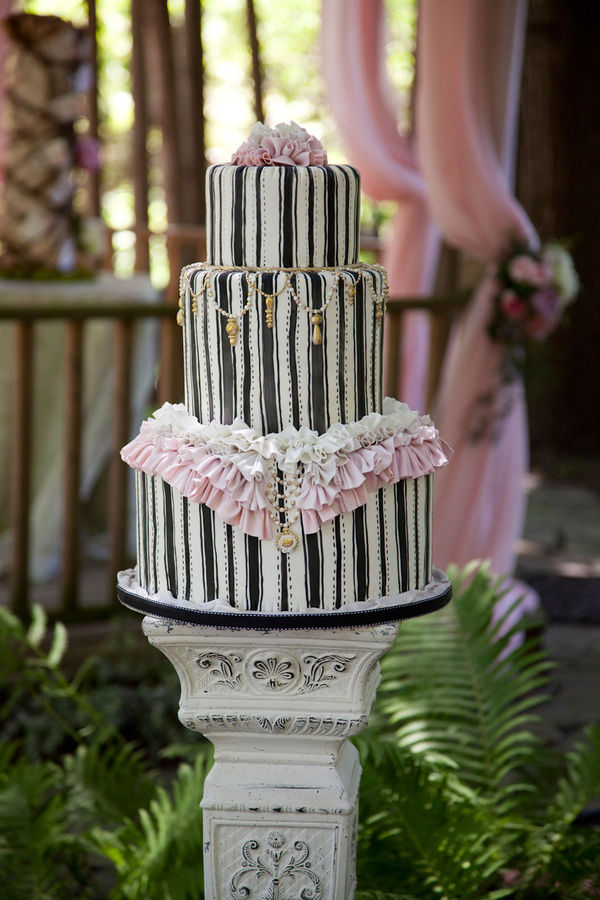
{"points": [[284, 216]]}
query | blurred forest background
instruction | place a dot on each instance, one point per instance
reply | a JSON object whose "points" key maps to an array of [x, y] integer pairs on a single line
{"points": [[557, 176]]}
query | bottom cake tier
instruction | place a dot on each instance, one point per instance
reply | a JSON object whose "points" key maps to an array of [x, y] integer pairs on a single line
{"points": [[381, 548]]}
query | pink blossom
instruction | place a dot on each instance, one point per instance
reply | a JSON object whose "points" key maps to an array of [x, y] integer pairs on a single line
{"points": [[546, 306], [526, 269], [511, 305]]}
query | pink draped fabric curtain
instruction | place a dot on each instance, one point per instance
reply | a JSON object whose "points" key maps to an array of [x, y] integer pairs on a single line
{"points": [[457, 170], [360, 95]]}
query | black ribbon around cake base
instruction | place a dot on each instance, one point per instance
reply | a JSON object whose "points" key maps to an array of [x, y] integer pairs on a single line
{"points": [[439, 596]]}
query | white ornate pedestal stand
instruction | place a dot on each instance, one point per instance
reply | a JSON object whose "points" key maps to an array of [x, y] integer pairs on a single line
{"points": [[280, 803]]}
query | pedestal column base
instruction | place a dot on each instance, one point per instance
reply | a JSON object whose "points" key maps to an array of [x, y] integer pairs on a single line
{"points": [[280, 803]]}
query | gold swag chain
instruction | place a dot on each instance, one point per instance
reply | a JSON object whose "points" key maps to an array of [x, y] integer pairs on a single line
{"points": [[252, 274]]}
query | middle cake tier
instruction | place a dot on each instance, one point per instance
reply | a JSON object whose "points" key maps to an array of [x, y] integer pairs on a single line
{"points": [[280, 347]]}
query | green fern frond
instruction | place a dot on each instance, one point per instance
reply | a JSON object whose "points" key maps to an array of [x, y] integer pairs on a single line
{"points": [[456, 694], [421, 831], [556, 846], [108, 783], [581, 782], [160, 857], [38, 856]]}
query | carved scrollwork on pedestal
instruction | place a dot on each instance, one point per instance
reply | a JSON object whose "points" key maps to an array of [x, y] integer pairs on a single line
{"points": [[275, 672], [267, 873], [222, 669], [322, 670]]}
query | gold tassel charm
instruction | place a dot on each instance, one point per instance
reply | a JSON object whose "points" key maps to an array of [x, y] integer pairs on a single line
{"points": [[269, 304], [232, 329], [351, 294], [180, 317], [317, 337]]}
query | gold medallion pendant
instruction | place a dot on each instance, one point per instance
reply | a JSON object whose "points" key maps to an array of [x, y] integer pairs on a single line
{"points": [[286, 540]]}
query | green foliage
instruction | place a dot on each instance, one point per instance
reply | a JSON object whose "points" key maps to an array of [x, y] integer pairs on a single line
{"points": [[459, 695], [459, 799], [159, 856], [448, 805]]}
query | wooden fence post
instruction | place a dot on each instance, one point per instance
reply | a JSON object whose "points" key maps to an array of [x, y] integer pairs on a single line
{"points": [[21, 466]]}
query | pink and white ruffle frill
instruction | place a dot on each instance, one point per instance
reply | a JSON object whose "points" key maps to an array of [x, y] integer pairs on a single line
{"points": [[284, 145], [227, 466]]}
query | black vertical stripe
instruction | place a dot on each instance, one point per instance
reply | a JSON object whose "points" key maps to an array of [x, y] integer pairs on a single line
{"points": [[317, 381], [242, 406], [346, 255], [415, 533], [354, 217], [212, 213], [279, 394], [402, 517], [360, 373], [361, 555], [292, 337], [325, 373], [313, 557], [311, 215], [198, 512], [338, 561], [258, 184], [208, 552], [224, 348], [227, 356], [144, 562], [205, 319], [196, 385], [269, 388], [252, 570], [239, 217], [169, 550], [288, 256], [283, 583], [331, 216], [154, 533], [230, 565], [343, 363], [186, 545], [374, 386], [379, 355], [281, 176], [382, 553], [428, 535]]}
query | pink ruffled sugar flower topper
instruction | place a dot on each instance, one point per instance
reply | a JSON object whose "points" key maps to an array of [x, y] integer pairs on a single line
{"points": [[288, 144]]}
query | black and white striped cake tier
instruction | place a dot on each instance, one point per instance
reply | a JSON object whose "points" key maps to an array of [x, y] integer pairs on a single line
{"points": [[185, 550], [279, 347], [289, 216]]}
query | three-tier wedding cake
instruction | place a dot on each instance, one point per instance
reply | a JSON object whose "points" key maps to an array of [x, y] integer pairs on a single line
{"points": [[284, 483]]}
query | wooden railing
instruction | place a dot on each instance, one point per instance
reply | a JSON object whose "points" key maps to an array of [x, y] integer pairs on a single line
{"points": [[25, 318]]}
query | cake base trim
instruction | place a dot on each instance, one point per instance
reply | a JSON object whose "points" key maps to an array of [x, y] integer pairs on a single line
{"points": [[220, 614]]}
